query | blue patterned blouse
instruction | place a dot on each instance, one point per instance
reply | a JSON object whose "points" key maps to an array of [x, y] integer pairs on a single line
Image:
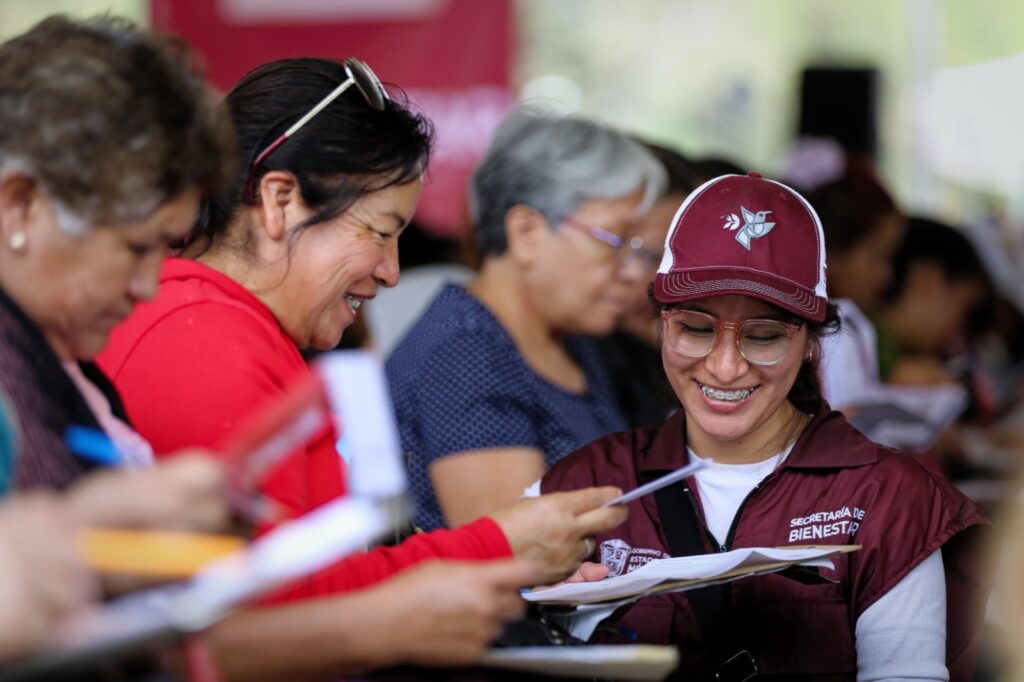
{"points": [[459, 383]]}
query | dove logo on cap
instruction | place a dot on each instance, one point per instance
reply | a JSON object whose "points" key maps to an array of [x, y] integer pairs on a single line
{"points": [[755, 226]]}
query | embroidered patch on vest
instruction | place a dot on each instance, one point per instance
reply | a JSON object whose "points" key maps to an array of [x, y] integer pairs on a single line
{"points": [[620, 558]]}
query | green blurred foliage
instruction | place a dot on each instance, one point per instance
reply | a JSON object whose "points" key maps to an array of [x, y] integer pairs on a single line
{"points": [[17, 16], [721, 77], [980, 30]]}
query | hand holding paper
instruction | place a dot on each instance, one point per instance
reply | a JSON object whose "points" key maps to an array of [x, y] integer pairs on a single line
{"points": [[689, 572], [454, 609], [553, 530], [183, 493], [296, 549]]}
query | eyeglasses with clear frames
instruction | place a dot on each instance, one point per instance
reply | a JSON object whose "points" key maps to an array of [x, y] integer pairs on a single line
{"points": [[360, 75], [761, 342], [625, 248]]}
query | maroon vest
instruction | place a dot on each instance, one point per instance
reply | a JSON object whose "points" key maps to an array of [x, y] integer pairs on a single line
{"points": [[836, 487]]}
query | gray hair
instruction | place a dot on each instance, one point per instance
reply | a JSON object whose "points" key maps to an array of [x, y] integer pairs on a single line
{"points": [[552, 164], [110, 119]]}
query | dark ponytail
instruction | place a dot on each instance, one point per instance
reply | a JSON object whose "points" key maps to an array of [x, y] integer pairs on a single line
{"points": [[347, 151]]}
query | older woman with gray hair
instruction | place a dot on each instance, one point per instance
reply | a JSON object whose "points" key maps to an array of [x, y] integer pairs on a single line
{"points": [[108, 139], [497, 381]]}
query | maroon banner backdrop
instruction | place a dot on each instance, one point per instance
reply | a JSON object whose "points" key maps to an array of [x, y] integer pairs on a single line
{"points": [[452, 57]]}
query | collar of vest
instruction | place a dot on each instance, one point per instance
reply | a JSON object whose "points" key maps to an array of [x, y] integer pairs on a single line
{"points": [[828, 442]]}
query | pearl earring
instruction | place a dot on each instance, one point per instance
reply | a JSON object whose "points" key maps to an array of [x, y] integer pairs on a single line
{"points": [[18, 241]]}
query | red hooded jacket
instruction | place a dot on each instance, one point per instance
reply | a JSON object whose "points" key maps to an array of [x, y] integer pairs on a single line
{"points": [[836, 487], [205, 354]]}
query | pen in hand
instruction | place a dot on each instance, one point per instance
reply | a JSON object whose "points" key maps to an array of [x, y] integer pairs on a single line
{"points": [[659, 483]]}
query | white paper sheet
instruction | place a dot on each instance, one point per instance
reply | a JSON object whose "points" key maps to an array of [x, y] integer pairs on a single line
{"points": [[294, 550], [699, 567], [621, 662], [358, 393]]}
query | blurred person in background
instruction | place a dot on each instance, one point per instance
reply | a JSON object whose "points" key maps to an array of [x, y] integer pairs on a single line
{"points": [[935, 310], [938, 282], [498, 379], [631, 353], [863, 228], [282, 260]]}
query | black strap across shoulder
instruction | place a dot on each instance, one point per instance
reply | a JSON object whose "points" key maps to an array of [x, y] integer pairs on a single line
{"points": [[711, 605]]}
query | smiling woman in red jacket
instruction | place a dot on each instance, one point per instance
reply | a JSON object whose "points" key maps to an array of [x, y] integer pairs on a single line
{"points": [[282, 261], [743, 302]]}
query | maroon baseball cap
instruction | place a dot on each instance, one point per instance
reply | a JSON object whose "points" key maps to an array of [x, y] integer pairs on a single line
{"points": [[743, 234]]}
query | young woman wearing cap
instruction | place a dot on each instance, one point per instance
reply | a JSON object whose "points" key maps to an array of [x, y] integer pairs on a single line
{"points": [[742, 296]]}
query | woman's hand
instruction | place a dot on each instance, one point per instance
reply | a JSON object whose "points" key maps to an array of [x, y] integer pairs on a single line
{"points": [[438, 613], [184, 493], [555, 532], [448, 613], [41, 577], [588, 572]]}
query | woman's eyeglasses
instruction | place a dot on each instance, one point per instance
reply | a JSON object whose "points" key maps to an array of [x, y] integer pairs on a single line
{"points": [[360, 75], [624, 248], [761, 342]]}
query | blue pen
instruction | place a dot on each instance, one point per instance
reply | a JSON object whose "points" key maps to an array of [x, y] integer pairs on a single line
{"points": [[93, 445]]}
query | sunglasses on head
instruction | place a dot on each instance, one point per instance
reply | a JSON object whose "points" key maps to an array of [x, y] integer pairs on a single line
{"points": [[360, 75]]}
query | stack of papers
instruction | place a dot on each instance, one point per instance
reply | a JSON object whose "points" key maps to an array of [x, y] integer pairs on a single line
{"points": [[686, 573]]}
